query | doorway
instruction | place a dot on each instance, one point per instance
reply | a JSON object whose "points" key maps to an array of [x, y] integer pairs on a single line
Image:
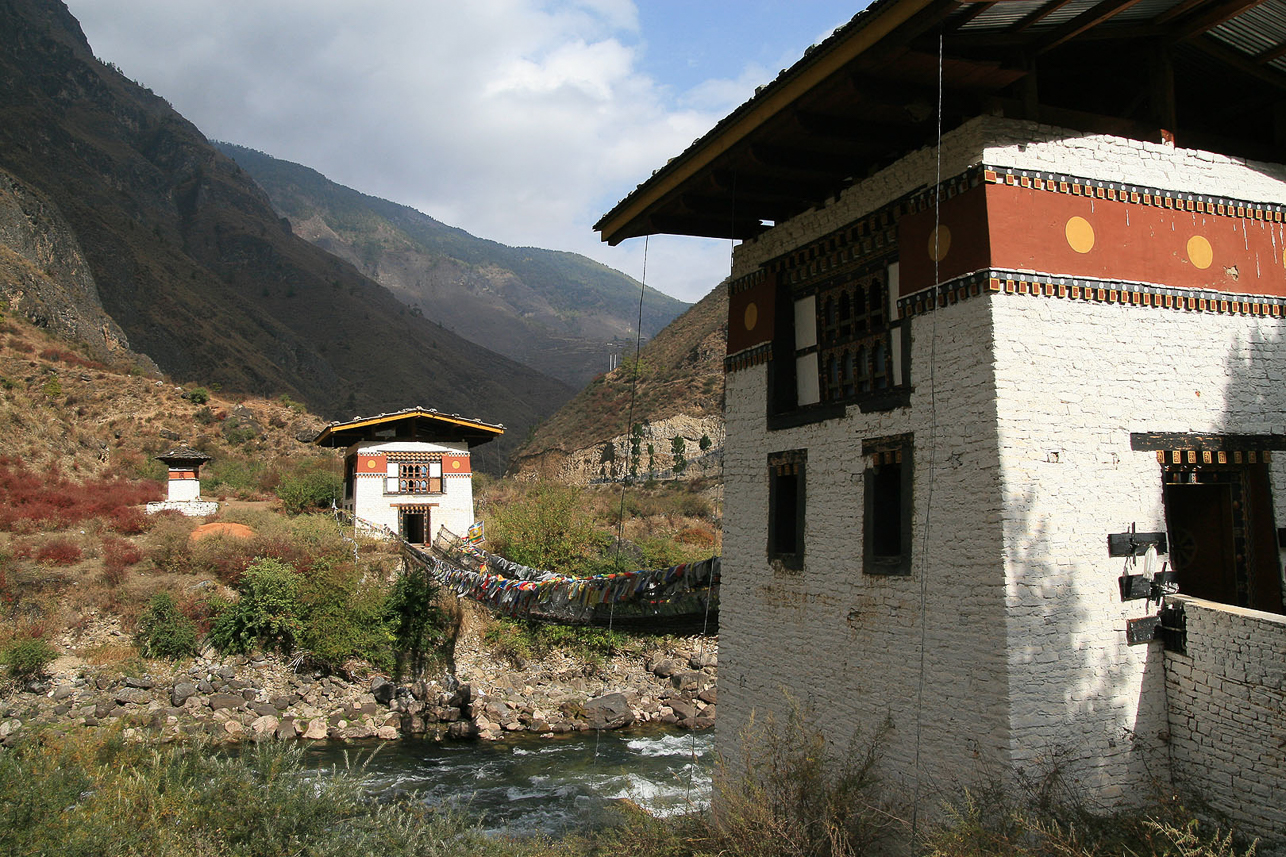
{"points": [[414, 525], [1223, 542]]}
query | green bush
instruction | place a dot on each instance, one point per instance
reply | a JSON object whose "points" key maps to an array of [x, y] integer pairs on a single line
{"points": [[418, 626], [310, 489], [342, 617], [266, 615], [199, 396], [28, 659], [547, 528], [163, 631]]}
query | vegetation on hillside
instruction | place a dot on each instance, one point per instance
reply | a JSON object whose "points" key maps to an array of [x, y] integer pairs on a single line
{"points": [[678, 372]]}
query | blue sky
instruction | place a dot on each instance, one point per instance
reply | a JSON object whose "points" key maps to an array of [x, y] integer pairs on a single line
{"points": [[522, 121]]}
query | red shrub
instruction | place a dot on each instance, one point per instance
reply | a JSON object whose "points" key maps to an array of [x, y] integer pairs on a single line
{"points": [[118, 555], [29, 501], [129, 520], [59, 552]]}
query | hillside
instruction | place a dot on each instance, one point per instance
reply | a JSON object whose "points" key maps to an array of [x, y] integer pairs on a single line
{"points": [[560, 313], [678, 408], [184, 255]]}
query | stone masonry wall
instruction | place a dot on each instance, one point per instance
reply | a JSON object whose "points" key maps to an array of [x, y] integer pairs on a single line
{"points": [[845, 645], [1021, 412], [1073, 380], [1227, 712]]}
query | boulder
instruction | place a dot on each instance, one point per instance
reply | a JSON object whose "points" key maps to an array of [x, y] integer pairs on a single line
{"points": [[144, 683], [383, 690], [316, 729], [610, 711], [682, 710], [132, 696], [665, 668], [227, 700], [264, 726], [181, 692]]}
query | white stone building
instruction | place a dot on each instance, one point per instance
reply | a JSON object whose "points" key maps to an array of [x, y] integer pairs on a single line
{"points": [[409, 472], [977, 329]]}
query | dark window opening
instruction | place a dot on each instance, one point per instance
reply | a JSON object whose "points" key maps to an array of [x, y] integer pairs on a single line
{"points": [[786, 507], [1221, 531], [415, 526], [887, 505]]}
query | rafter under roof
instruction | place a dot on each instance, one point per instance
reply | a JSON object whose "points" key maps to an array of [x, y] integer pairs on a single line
{"points": [[1210, 72]]}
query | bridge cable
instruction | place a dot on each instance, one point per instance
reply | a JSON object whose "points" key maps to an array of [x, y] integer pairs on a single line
{"points": [[932, 450]]}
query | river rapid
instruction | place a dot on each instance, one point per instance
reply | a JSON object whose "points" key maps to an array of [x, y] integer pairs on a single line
{"points": [[529, 785]]}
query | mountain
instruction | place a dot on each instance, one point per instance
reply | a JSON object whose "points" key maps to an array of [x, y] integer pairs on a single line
{"points": [[677, 428], [183, 256], [560, 313]]}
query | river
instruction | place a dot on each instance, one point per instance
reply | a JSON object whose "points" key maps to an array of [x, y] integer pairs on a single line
{"points": [[529, 785]]}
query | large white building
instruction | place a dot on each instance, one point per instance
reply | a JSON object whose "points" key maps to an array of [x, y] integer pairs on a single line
{"points": [[409, 472], [1009, 296]]}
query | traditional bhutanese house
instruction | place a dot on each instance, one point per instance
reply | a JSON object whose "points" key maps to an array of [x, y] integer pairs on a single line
{"points": [[1006, 309], [409, 472], [183, 486]]}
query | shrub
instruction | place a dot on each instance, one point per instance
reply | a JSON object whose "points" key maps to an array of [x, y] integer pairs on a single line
{"points": [[312, 489], [418, 625], [163, 631], [343, 618], [60, 551], [199, 396], [545, 528], [118, 555], [267, 613], [29, 659], [129, 520]]}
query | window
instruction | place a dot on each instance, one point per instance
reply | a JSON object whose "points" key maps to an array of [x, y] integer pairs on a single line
{"points": [[887, 505], [786, 508], [415, 477]]}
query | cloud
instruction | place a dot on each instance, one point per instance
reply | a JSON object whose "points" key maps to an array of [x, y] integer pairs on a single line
{"points": [[518, 120]]}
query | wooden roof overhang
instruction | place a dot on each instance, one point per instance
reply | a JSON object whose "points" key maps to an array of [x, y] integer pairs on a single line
{"points": [[415, 424], [1210, 72]]}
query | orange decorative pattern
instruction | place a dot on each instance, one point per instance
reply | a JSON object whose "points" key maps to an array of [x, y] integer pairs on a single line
{"points": [[455, 465], [372, 465]]}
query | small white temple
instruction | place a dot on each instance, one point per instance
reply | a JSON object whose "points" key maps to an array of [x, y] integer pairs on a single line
{"points": [[184, 484]]}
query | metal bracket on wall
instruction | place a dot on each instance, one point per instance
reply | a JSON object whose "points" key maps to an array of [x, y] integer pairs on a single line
{"points": [[1135, 587], [1135, 544], [1143, 630]]}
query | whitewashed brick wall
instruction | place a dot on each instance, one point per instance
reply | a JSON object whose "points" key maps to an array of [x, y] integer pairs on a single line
{"points": [[1022, 468], [454, 505], [1228, 714]]}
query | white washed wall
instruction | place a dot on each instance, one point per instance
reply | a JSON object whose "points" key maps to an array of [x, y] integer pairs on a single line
{"points": [[374, 504], [1022, 410]]}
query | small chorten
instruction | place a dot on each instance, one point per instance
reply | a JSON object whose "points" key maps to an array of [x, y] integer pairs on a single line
{"points": [[184, 486]]}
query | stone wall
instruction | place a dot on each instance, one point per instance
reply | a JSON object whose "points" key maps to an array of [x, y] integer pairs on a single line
{"points": [[1227, 697], [1005, 648]]}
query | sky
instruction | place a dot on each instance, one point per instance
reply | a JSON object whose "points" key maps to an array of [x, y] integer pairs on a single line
{"points": [[522, 121]]}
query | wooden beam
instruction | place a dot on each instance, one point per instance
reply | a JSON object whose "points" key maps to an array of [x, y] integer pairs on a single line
{"points": [[1212, 18], [1087, 20], [1177, 11], [1239, 61], [768, 186], [1037, 15], [972, 10], [1267, 56], [829, 165]]}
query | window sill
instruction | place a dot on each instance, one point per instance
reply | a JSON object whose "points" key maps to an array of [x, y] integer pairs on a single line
{"points": [[892, 566], [805, 416], [886, 401]]}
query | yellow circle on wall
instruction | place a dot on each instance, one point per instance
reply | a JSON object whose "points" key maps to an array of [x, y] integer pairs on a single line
{"points": [[751, 317], [939, 242], [371, 463], [1080, 234], [1200, 253], [455, 464]]}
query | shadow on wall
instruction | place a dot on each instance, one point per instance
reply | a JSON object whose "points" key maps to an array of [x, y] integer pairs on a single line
{"points": [[1089, 711]]}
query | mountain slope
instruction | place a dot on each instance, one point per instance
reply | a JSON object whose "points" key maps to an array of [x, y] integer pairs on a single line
{"points": [[558, 312], [677, 407], [190, 260]]}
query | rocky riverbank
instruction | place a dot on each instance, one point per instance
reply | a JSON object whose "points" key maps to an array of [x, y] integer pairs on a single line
{"points": [[263, 698]]}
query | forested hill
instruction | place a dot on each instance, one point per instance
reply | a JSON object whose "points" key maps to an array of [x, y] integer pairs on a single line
{"points": [[558, 312], [184, 252]]}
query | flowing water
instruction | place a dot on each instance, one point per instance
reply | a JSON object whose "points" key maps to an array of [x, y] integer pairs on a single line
{"points": [[541, 785]]}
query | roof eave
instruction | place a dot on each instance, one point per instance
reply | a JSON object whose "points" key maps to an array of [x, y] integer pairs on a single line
{"points": [[628, 218]]}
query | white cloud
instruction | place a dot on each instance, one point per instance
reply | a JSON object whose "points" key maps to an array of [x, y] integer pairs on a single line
{"points": [[518, 120]]}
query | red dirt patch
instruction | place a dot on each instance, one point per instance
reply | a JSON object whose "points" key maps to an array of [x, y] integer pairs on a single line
{"points": [[238, 531]]}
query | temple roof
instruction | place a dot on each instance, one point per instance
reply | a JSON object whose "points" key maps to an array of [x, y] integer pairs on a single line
{"points": [[1212, 73], [181, 455], [410, 424]]}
